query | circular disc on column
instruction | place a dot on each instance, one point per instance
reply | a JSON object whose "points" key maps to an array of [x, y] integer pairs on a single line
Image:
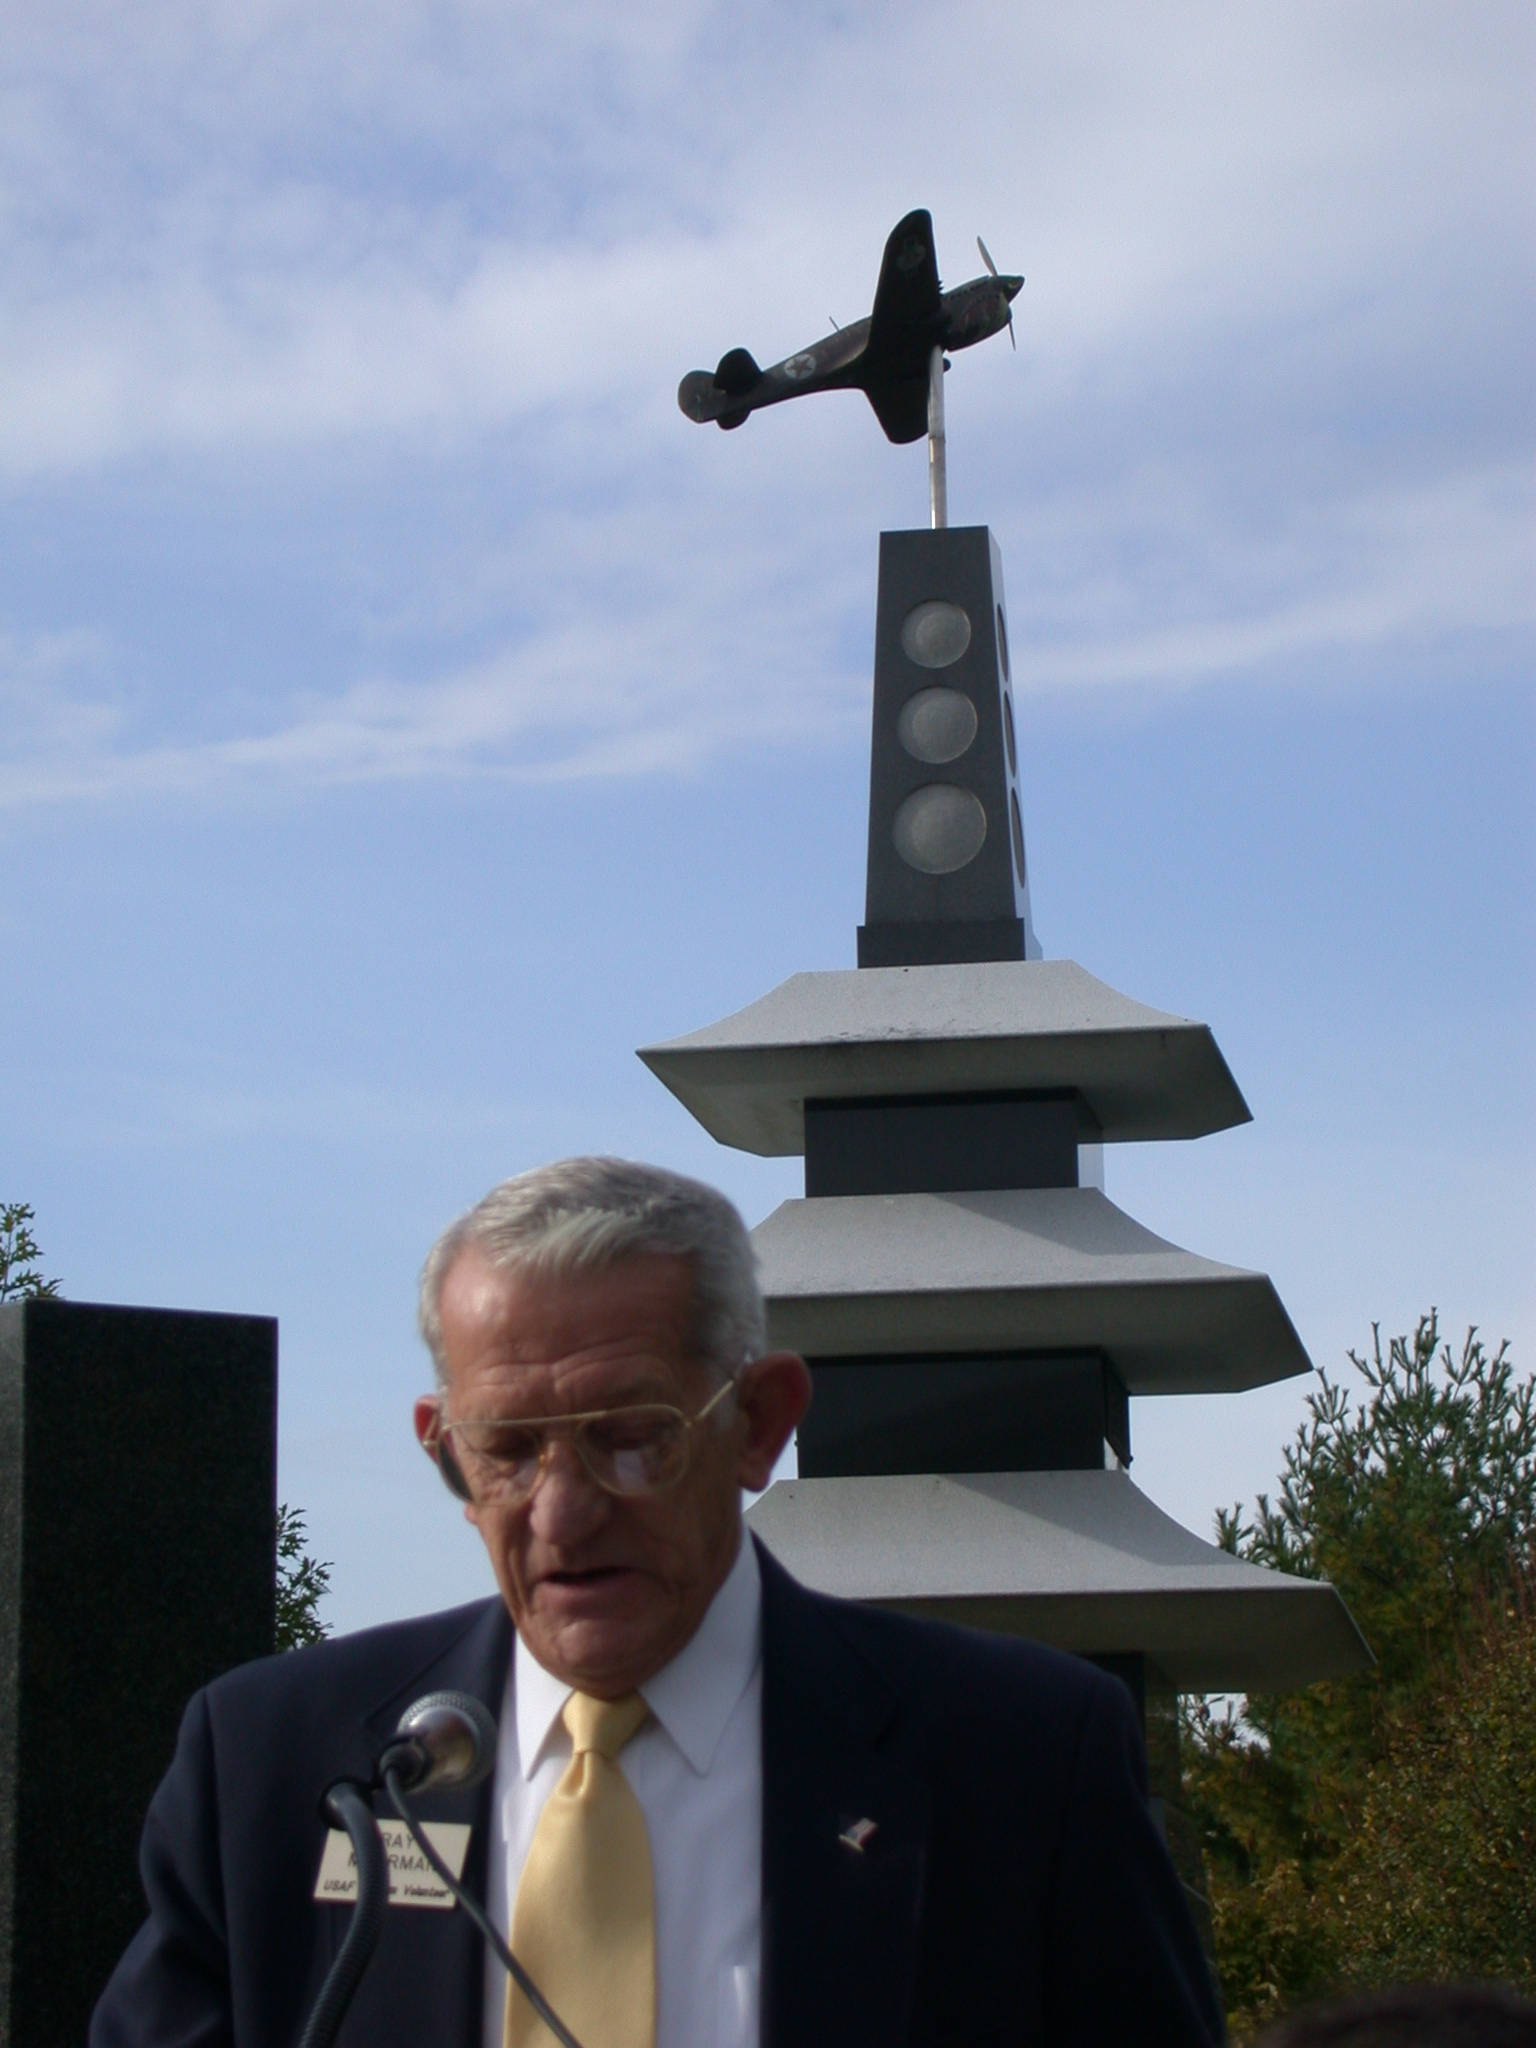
{"points": [[937, 724], [935, 634], [939, 828]]}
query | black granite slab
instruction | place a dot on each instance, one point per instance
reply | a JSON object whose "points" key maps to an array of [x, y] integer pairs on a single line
{"points": [[137, 1473]]}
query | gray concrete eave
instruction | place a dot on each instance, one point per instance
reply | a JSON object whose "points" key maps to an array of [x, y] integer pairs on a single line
{"points": [[1022, 1269], [974, 1027], [1082, 1560]]}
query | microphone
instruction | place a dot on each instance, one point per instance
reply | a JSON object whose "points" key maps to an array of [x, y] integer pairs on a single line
{"points": [[443, 1740], [448, 1739]]}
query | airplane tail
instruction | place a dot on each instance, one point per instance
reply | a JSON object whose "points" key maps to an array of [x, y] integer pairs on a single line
{"points": [[713, 396], [736, 372]]}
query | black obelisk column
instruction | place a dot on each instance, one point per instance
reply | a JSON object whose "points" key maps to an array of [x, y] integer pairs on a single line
{"points": [[947, 873]]}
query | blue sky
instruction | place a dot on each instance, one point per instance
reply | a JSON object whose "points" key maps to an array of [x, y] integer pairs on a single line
{"points": [[408, 713]]}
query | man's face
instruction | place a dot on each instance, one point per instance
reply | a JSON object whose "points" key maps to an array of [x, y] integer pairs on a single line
{"points": [[603, 1589]]}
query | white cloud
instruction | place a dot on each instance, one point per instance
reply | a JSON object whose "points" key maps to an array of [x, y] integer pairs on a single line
{"points": [[665, 672], [649, 678], [275, 224], [44, 713], [1380, 570], [1265, 406]]}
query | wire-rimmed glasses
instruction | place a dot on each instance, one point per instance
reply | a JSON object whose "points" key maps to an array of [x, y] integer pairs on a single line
{"points": [[628, 1451]]}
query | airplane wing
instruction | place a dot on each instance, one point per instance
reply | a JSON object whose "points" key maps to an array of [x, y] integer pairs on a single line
{"points": [[901, 406], [907, 296]]}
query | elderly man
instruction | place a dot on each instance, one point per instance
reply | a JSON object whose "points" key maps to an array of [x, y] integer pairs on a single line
{"points": [[724, 1809]]}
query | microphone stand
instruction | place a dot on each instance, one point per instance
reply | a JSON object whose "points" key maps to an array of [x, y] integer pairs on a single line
{"points": [[345, 1802]]}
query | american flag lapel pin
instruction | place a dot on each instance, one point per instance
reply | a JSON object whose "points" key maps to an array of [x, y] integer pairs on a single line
{"points": [[857, 1834]]}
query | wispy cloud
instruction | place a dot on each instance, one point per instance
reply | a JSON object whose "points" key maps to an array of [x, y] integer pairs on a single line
{"points": [[275, 224], [1268, 401], [1378, 572], [591, 687], [148, 1111], [657, 683]]}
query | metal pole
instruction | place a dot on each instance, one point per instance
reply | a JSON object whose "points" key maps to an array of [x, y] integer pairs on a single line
{"points": [[938, 483]]}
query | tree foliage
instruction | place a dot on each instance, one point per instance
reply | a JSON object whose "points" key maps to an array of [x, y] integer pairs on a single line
{"points": [[20, 1277], [301, 1583], [1438, 1879], [1379, 1826]]}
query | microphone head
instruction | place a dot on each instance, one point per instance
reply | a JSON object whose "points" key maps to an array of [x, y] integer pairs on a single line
{"points": [[444, 1739]]}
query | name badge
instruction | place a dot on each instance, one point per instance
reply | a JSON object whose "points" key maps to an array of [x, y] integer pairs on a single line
{"points": [[412, 1880]]}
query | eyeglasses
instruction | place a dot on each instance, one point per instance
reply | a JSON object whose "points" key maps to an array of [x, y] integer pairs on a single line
{"points": [[628, 1451]]}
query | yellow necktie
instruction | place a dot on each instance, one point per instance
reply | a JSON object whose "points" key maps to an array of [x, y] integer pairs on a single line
{"points": [[584, 1922]]}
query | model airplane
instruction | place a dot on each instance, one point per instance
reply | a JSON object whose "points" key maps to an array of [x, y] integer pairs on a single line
{"points": [[886, 356]]}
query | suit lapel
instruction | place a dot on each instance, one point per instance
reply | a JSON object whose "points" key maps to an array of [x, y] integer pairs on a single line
{"points": [[425, 1982], [845, 1827]]}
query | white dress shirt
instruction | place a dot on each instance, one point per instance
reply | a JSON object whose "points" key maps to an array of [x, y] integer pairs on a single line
{"points": [[696, 1768]]}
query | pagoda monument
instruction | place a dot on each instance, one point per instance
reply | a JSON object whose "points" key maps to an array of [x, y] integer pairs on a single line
{"points": [[977, 1314]]}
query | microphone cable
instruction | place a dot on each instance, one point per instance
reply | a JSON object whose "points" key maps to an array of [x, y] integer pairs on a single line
{"points": [[394, 1785]]}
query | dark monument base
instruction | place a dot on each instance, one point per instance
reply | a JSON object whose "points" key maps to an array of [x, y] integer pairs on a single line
{"points": [[1033, 1412], [137, 1462], [914, 943], [945, 1144]]}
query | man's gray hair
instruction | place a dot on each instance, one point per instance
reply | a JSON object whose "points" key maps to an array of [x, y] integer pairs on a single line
{"points": [[583, 1215]]}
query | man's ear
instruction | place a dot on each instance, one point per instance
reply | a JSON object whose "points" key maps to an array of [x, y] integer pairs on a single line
{"points": [[428, 1417], [772, 1394]]}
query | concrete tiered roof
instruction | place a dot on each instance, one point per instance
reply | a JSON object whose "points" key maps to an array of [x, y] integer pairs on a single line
{"points": [[1079, 1559], [974, 1027], [1026, 1269]]}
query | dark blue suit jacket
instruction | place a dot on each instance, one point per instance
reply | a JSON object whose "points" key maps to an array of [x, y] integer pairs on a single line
{"points": [[1014, 1889]]}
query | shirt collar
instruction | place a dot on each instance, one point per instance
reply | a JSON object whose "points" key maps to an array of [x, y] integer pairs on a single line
{"points": [[692, 1698]]}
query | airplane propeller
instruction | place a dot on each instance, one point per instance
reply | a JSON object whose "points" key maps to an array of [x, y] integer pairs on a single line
{"points": [[986, 257]]}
